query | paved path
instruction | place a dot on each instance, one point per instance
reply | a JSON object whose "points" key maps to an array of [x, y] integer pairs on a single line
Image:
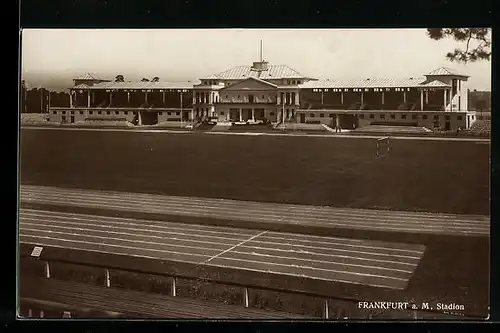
{"points": [[328, 135], [267, 213], [371, 263]]}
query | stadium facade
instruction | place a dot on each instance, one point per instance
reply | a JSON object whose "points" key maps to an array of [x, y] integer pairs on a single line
{"points": [[263, 92]]}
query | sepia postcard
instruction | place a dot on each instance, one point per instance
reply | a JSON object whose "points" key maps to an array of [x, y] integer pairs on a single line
{"points": [[306, 174]]}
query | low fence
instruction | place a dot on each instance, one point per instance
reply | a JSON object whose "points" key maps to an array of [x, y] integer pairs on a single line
{"points": [[327, 302]]}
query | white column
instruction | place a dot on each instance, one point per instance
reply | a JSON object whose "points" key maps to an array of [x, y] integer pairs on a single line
{"points": [[245, 297], [47, 270], [107, 278], [322, 99], [71, 98], [173, 287], [110, 98], [93, 97], [163, 97], [128, 97], [450, 97], [228, 115], [421, 100], [383, 98], [192, 114], [404, 96], [146, 97], [297, 100], [241, 115], [88, 98], [342, 97], [362, 97], [427, 97], [444, 99], [253, 114]]}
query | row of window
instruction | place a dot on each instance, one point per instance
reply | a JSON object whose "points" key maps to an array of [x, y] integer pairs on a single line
{"points": [[271, 114], [116, 112], [92, 112], [392, 116], [169, 113], [359, 89]]}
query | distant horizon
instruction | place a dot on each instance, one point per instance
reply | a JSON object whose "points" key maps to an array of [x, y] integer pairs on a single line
{"points": [[322, 54]]}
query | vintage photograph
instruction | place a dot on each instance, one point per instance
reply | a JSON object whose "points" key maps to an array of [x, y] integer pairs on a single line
{"points": [[329, 174]]}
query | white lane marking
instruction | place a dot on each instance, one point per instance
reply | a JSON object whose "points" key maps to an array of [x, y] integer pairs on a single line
{"points": [[165, 239], [340, 263], [333, 241], [110, 245], [338, 249], [304, 221], [265, 248], [316, 269], [428, 230], [166, 231], [225, 204], [210, 264], [364, 224], [130, 221], [244, 246], [232, 247], [205, 262], [266, 206], [327, 254], [169, 204], [120, 240]]}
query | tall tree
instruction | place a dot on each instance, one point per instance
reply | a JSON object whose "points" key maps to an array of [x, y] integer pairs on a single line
{"points": [[119, 78], [477, 43]]}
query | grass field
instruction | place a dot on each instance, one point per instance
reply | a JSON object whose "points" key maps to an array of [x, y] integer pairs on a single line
{"points": [[436, 176]]}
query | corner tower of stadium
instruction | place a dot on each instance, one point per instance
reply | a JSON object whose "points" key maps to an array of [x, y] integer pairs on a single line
{"points": [[273, 93]]}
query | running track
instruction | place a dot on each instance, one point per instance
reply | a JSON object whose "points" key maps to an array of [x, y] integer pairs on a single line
{"points": [[344, 260], [329, 135], [329, 217]]}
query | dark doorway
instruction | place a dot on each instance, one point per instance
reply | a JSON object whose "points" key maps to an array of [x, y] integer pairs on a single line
{"points": [[302, 118], [72, 119], [447, 126], [149, 118]]}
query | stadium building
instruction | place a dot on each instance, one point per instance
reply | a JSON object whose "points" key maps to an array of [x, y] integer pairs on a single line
{"points": [[277, 94]]}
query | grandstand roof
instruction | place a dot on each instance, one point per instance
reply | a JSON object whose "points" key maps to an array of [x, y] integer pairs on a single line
{"points": [[446, 71], [250, 78], [365, 83], [242, 72], [435, 84], [88, 77], [138, 85], [81, 86]]}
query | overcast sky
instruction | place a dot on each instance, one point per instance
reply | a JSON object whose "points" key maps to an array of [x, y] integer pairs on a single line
{"points": [[189, 54]]}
